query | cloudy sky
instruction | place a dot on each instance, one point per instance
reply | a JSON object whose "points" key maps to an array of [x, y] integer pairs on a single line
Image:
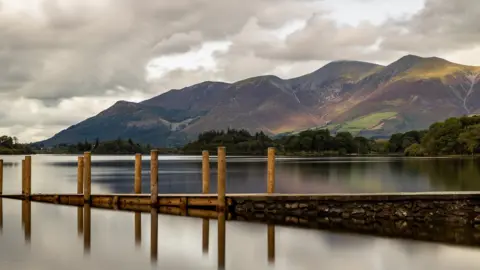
{"points": [[62, 61]]}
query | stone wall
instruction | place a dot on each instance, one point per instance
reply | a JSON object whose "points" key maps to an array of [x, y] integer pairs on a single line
{"points": [[435, 217]]}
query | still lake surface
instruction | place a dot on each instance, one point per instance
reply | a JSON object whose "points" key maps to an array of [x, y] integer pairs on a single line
{"points": [[54, 241]]}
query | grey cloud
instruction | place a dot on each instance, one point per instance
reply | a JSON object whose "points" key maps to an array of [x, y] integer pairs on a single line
{"points": [[322, 39], [178, 43], [89, 47], [442, 26]]}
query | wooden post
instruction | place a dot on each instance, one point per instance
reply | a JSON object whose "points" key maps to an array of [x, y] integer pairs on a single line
{"points": [[23, 177], [1, 176], [138, 228], [271, 243], [205, 172], [138, 174], [28, 176], [154, 176], [87, 176], [80, 175], [222, 171], [271, 171]]}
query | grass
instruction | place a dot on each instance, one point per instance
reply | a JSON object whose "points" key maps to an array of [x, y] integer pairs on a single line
{"points": [[355, 126], [365, 122], [436, 70]]}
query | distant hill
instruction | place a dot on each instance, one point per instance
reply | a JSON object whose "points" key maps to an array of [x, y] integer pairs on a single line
{"points": [[363, 98]]}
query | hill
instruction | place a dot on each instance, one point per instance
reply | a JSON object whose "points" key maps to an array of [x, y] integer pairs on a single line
{"points": [[362, 98]]}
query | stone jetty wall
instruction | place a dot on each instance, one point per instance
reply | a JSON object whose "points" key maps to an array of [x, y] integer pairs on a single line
{"points": [[458, 208], [449, 218]]}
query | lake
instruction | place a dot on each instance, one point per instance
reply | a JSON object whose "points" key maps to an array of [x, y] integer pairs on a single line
{"points": [[53, 239]]}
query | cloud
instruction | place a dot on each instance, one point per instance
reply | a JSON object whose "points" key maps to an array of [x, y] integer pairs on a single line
{"points": [[438, 28], [89, 47]]}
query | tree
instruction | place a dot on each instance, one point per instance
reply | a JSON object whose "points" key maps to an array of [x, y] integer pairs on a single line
{"points": [[470, 138], [97, 143], [415, 150]]}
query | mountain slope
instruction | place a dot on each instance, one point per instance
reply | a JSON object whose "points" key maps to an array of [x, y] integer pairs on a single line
{"points": [[364, 98], [419, 90], [142, 123]]}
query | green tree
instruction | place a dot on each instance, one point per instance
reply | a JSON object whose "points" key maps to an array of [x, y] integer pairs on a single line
{"points": [[470, 138], [415, 150]]}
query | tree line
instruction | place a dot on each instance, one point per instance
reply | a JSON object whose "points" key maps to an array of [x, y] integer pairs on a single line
{"points": [[11, 146], [310, 142], [118, 146], [454, 136]]}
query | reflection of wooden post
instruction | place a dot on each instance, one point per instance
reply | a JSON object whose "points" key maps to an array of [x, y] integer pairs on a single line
{"points": [[28, 220], [154, 234], [271, 243], [1, 215], [138, 228], [271, 170], [24, 208], [205, 172], [1, 176], [80, 175], [154, 176], [79, 220], [138, 174], [222, 170], [86, 227], [205, 234], [23, 177], [221, 240], [28, 176], [87, 176]]}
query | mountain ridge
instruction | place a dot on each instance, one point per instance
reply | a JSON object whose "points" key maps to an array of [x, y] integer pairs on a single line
{"points": [[345, 95]]}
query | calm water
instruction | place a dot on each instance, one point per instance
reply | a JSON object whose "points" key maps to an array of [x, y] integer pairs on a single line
{"points": [[52, 239]]}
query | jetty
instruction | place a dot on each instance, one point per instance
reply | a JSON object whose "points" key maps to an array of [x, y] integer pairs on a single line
{"points": [[452, 217]]}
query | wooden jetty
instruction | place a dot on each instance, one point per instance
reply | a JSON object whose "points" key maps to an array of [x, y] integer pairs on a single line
{"points": [[419, 215]]}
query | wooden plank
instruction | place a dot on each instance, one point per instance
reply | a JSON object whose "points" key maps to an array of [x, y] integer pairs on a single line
{"points": [[201, 201], [169, 201]]}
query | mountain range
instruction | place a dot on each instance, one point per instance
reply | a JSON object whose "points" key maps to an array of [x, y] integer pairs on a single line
{"points": [[363, 98]]}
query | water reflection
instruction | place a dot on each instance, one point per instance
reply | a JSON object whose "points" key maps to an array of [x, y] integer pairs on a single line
{"points": [[185, 244], [271, 243], [79, 221], [138, 228], [87, 227], [28, 219], [1, 215], [154, 234], [221, 240], [84, 228], [205, 234]]}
